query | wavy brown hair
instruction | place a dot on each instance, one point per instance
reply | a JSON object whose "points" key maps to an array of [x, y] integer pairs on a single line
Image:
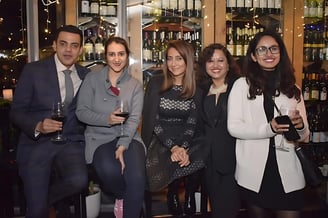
{"points": [[189, 80], [255, 75]]}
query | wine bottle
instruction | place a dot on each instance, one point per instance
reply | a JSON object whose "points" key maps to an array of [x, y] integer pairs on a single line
{"points": [[323, 87], [198, 8], [155, 51], [263, 7], [162, 47], [147, 51], [307, 48], [111, 8], [103, 8], [312, 8], [320, 8], [94, 7], [326, 8], [306, 8], [314, 87], [306, 86], [231, 6], [241, 6], [197, 45], [246, 40], [239, 42], [85, 8], [190, 8], [89, 47], [230, 42], [182, 8], [315, 46], [270, 6], [248, 6], [277, 6], [165, 8], [99, 48], [173, 8], [256, 6]]}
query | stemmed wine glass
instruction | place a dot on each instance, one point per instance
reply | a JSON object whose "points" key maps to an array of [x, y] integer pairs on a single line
{"points": [[58, 115], [124, 112], [291, 112]]}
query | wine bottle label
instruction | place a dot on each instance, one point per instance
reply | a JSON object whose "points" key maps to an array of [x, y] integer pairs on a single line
{"points": [[88, 47], [248, 3], [94, 8], [306, 94], [85, 7]]}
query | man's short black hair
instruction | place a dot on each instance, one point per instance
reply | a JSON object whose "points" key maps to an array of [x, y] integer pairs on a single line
{"points": [[70, 29]]}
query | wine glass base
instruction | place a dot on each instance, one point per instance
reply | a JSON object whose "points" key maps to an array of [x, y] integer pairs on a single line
{"points": [[282, 149], [122, 136], [58, 140]]}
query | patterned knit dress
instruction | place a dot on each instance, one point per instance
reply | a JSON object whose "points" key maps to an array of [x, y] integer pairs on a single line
{"points": [[175, 124]]}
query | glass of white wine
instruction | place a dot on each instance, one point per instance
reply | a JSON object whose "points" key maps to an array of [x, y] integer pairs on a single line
{"points": [[290, 112]]}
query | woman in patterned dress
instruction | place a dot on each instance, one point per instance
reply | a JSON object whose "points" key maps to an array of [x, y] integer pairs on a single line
{"points": [[169, 130]]}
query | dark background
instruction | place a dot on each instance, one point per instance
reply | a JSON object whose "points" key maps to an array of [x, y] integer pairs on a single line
{"points": [[13, 24]]}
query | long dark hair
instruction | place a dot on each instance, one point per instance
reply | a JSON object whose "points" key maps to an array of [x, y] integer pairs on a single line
{"points": [[256, 76], [206, 55]]}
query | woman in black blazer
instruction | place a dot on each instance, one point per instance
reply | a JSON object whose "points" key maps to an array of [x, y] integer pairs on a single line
{"points": [[218, 71]]}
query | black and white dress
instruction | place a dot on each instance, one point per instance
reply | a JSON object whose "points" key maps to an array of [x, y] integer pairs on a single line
{"points": [[175, 124]]}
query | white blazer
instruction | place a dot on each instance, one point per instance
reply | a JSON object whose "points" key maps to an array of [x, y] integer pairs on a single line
{"points": [[248, 123]]}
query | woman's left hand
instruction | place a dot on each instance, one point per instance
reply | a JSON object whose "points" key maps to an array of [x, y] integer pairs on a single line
{"points": [[180, 155], [119, 156], [297, 121]]}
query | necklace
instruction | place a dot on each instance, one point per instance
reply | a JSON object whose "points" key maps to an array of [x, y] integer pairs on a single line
{"points": [[218, 90]]}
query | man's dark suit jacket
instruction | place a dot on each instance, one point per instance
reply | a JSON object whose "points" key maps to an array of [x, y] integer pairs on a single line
{"points": [[36, 91]]}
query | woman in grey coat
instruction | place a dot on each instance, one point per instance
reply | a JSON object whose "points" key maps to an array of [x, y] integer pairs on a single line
{"points": [[119, 161]]}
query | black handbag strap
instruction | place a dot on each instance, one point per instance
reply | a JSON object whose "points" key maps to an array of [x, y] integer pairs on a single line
{"points": [[273, 101]]}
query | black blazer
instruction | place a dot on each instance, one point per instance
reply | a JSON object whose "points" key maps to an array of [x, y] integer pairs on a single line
{"points": [[222, 145], [36, 91]]}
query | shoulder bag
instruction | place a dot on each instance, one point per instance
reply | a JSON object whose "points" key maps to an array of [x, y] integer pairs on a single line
{"points": [[312, 173]]}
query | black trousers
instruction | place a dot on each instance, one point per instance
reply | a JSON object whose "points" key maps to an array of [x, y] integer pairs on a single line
{"points": [[37, 167]]}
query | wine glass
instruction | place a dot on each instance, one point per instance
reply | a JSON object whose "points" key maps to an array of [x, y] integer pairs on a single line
{"points": [[291, 112], [58, 115], [124, 112]]}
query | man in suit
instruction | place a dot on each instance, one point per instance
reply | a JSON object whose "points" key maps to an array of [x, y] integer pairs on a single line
{"points": [[40, 86]]}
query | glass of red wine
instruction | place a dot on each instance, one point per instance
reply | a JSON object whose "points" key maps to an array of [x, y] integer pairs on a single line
{"points": [[124, 112], [58, 115]]}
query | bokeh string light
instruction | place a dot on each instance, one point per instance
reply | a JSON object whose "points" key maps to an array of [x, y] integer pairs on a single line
{"points": [[49, 2]]}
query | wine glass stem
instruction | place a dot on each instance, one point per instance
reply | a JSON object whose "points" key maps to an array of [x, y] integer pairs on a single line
{"points": [[122, 129]]}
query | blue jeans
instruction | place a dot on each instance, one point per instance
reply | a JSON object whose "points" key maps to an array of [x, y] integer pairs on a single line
{"points": [[130, 185]]}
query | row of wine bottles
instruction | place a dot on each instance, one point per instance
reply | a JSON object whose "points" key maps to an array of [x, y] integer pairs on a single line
{"points": [[260, 7], [315, 8], [155, 43], [93, 48], [186, 8], [92, 8], [317, 120], [315, 86], [237, 39], [315, 47]]}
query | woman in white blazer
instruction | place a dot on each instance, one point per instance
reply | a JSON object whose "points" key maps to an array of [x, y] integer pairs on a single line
{"points": [[270, 180]]}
